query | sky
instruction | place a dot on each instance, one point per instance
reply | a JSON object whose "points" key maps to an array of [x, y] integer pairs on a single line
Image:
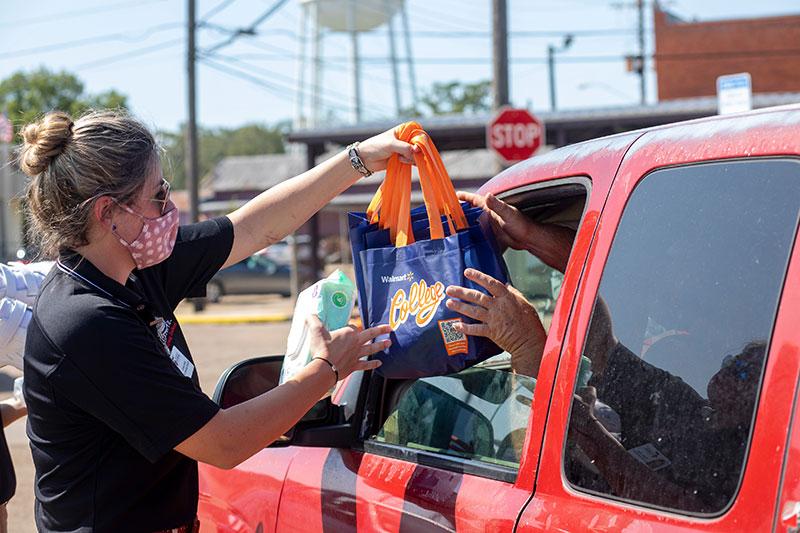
{"points": [[139, 48]]}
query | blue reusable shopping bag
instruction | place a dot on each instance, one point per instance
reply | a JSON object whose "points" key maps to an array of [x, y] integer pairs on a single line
{"points": [[404, 286], [364, 235]]}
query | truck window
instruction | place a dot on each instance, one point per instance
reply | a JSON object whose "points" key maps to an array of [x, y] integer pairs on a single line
{"points": [[480, 415], [679, 335]]}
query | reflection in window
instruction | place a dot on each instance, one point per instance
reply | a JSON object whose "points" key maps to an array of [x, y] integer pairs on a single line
{"points": [[539, 283], [477, 414], [679, 333]]}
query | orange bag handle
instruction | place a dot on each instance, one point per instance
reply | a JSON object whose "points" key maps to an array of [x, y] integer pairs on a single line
{"points": [[390, 207], [442, 186], [447, 190], [384, 216], [405, 234]]}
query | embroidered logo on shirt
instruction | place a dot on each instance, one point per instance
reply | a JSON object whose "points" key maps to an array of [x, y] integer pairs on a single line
{"points": [[165, 329]]}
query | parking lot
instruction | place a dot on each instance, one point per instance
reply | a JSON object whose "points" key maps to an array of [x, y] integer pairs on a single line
{"points": [[214, 348]]}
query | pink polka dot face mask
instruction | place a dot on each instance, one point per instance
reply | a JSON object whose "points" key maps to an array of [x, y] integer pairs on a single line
{"points": [[156, 240]]}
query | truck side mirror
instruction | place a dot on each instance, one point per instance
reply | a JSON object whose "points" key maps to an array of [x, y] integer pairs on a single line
{"points": [[322, 425], [248, 379]]}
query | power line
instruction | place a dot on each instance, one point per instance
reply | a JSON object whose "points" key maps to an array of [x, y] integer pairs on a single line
{"points": [[290, 80], [126, 55], [271, 48], [437, 18], [250, 30], [468, 34], [725, 55], [78, 12], [273, 88], [214, 10], [283, 57], [125, 37], [452, 34], [290, 90], [688, 56], [266, 33]]}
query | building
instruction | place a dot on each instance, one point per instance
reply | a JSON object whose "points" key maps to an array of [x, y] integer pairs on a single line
{"points": [[689, 56]]}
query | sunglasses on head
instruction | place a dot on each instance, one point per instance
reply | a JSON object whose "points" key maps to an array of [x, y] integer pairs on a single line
{"points": [[162, 195]]}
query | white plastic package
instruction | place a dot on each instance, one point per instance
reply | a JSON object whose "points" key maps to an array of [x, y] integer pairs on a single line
{"points": [[332, 300], [18, 384]]}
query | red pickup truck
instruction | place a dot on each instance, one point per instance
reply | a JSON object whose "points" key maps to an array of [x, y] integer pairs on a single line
{"points": [[666, 398]]}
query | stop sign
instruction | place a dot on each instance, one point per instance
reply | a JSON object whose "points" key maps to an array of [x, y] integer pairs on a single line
{"points": [[514, 134]]}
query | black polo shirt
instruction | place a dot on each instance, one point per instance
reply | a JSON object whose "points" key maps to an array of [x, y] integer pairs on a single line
{"points": [[106, 403]]}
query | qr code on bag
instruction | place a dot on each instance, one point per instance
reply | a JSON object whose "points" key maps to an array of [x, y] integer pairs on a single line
{"points": [[455, 342]]}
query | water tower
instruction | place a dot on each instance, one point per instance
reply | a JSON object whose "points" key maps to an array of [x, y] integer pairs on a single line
{"points": [[351, 17]]}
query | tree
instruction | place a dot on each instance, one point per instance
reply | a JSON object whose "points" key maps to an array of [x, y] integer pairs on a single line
{"points": [[216, 144], [454, 97], [24, 96]]}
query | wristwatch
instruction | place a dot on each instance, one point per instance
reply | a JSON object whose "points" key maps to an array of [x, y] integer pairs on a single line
{"points": [[355, 160]]}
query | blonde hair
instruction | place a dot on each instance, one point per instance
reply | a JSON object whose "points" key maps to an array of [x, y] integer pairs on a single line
{"points": [[72, 163]]}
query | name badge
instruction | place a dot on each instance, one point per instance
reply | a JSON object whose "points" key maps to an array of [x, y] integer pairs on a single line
{"points": [[181, 362]]}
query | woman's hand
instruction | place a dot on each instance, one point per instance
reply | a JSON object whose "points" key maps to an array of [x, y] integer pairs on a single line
{"points": [[504, 316], [346, 346], [375, 151], [549, 242]]}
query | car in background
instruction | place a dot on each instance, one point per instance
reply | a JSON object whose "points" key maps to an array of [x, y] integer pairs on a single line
{"points": [[281, 251], [257, 274]]}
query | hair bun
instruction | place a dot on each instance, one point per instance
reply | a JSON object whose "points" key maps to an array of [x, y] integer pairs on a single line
{"points": [[44, 140]]}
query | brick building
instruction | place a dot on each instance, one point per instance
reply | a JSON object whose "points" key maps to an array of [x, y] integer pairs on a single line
{"points": [[691, 55]]}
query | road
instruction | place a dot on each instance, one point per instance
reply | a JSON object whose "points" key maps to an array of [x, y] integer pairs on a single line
{"points": [[214, 348]]}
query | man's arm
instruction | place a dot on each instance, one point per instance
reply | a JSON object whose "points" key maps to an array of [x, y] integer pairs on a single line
{"points": [[552, 244]]}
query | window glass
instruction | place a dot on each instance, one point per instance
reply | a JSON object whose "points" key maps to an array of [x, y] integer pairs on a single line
{"points": [[678, 336], [538, 282], [479, 414]]}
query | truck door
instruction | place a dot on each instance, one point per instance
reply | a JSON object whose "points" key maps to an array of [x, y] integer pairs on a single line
{"points": [[460, 452], [683, 423]]}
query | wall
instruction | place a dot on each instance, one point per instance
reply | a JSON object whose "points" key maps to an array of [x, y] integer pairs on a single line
{"points": [[767, 48]]}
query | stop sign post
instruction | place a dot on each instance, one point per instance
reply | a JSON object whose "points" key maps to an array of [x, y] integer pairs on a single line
{"points": [[514, 134]]}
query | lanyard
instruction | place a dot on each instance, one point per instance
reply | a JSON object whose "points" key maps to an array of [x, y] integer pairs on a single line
{"points": [[73, 274], [70, 272]]}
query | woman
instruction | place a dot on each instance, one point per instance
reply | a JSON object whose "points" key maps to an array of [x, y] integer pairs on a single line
{"points": [[117, 420]]}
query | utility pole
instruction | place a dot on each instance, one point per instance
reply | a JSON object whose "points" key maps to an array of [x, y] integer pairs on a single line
{"points": [[551, 67], [642, 88], [636, 63], [355, 60], [412, 78], [500, 52], [191, 123]]}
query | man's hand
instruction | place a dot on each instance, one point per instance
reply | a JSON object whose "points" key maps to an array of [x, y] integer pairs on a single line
{"points": [[504, 316], [549, 242], [511, 227]]}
